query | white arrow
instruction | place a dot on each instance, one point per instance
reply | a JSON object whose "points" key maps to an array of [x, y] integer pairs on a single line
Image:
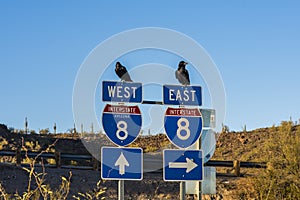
{"points": [[122, 162], [189, 165]]}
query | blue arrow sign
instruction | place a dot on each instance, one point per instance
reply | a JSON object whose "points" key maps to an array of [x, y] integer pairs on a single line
{"points": [[183, 126], [122, 124], [182, 95], [121, 91], [121, 163], [183, 165]]}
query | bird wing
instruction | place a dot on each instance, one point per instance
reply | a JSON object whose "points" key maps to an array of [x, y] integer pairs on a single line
{"points": [[123, 70], [177, 74], [187, 76], [125, 75]]}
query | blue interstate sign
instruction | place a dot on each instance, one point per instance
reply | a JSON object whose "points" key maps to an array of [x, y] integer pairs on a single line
{"points": [[182, 95], [121, 163], [122, 124], [183, 126], [121, 91], [183, 165]]}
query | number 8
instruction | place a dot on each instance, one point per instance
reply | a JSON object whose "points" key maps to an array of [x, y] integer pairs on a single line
{"points": [[183, 128], [122, 129]]}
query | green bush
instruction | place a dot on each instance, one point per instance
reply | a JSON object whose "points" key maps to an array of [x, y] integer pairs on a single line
{"points": [[282, 178]]}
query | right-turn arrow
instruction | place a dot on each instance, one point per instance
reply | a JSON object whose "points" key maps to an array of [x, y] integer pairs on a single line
{"points": [[189, 165]]}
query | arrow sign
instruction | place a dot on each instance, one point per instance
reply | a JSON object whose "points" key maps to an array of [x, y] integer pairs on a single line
{"points": [[189, 165], [122, 162], [182, 165]]}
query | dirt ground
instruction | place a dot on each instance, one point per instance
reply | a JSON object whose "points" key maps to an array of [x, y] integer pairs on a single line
{"points": [[15, 180], [230, 146]]}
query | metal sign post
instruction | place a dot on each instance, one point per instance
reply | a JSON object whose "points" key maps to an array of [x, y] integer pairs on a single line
{"points": [[121, 190], [200, 183], [182, 190], [183, 127], [122, 125]]}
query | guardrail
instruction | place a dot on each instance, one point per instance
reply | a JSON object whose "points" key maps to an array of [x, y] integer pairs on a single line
{"points": [[57, 156], [95, 164]]}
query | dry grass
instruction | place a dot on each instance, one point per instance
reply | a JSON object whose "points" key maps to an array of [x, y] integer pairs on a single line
{"points": [[280, 146], [282, 179], [37, 188]]}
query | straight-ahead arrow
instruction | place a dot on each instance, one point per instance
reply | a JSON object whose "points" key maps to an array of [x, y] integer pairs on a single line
{"points": [[189, 165], [122, 162]]}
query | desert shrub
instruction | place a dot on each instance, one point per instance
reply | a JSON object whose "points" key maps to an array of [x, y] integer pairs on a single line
{"points": [[37, 188], [3, 126], [3, 143], [44, 131], [96, 193], [282, 178]]}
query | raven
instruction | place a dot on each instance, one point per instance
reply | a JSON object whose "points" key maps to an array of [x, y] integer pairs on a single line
{"points": [[182, 74], [122, 73]]}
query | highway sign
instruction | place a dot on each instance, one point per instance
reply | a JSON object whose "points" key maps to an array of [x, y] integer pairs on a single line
{"points": [[121, 163], [183, 126], [182, 95], [182, 165], [122, 124], [130, 92]]}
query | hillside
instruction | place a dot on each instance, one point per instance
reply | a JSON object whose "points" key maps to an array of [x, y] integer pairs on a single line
{"points": [[279, 146]]}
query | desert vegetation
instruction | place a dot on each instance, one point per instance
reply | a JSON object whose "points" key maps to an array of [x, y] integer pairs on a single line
{"points": [[279, 146], [38, 189], [282, 151]]}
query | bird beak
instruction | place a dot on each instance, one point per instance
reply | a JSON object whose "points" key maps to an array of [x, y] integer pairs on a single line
{"points": [[186, 63]]}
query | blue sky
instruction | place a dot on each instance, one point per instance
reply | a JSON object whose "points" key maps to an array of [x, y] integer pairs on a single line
{"points": [[254, 44]]}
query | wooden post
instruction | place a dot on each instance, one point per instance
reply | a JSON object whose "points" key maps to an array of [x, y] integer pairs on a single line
{"points": [[57, 159], [96, 164], [18, 157], [236, 167]]}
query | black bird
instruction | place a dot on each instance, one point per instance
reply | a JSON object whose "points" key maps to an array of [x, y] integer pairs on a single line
{"points": [[122, 73], [182, 74]]}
